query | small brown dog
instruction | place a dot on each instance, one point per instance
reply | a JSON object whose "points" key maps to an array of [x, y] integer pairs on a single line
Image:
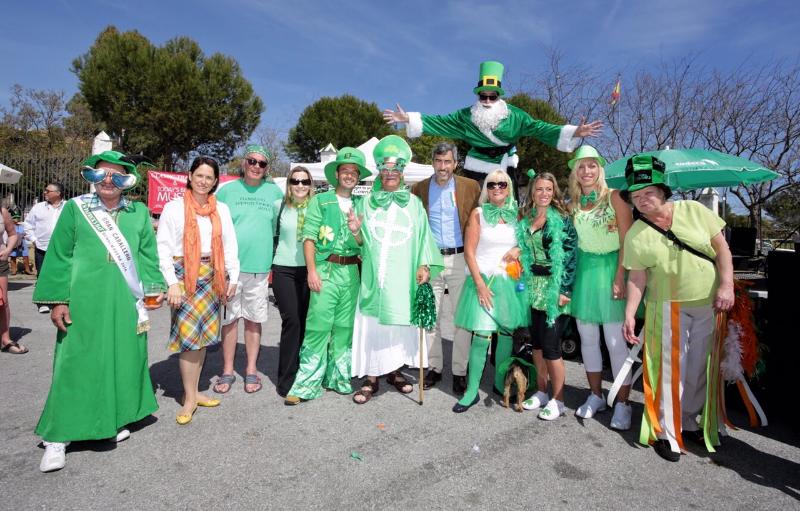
{"points": [[519, 375]]}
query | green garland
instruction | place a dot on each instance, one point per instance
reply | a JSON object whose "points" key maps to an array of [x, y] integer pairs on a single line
{"points": [[554, 229]]}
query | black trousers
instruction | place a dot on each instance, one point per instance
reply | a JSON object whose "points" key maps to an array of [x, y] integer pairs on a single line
{"points": [[38, 258], [290, 286]]}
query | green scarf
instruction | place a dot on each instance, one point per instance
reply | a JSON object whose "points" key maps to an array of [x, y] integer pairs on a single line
{"points": [[492, 213], [553, 229], [383, 199]]}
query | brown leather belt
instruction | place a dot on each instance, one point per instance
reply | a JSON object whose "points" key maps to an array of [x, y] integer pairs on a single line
{"points": [[342, 259], [451, 251]]}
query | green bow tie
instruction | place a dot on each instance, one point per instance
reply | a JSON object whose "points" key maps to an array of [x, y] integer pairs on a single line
{"points": [[383, 199], [493, 214], [586, 199]]}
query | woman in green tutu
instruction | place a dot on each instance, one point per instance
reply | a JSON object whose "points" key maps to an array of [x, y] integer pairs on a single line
{"points": [[601, 219], [490, 301], [547, 239]]}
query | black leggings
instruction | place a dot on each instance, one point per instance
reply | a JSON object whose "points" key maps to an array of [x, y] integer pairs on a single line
{"points": [[290, 286], [547, 338]]}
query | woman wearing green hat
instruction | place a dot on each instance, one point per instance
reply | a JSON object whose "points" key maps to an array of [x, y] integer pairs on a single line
{"points": [[678, 253], [601, 218]]}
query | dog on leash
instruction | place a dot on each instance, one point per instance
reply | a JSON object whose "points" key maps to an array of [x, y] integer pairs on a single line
{"points": [[518, 374]]}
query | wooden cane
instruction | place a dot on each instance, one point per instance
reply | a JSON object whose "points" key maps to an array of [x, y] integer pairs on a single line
{"points": [[421, 376]]}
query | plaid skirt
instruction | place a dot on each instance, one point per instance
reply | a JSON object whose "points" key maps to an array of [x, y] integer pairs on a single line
{"points": [[196, 323]]}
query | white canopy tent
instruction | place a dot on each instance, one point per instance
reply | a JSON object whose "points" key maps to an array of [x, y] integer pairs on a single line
{"points": [[413, 173], [8, 175]]}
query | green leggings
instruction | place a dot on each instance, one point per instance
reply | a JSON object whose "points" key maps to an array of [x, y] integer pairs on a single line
{"points": [[477, 360]]}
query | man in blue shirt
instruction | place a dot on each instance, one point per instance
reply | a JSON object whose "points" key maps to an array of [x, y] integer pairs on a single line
{"points": [[448, 200]]}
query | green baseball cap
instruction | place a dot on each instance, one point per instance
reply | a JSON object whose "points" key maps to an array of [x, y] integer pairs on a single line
{"points": [[644, 170], [115, 157], [490, 78], [586, 151], [347, 155]]}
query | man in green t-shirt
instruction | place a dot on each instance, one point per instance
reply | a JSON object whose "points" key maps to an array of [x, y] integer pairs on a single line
{"points": [[331, 248], [251, 202]]}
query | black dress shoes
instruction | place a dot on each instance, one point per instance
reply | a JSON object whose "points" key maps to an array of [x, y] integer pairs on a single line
{"points": [[459, 408], [663, 449], [459, 384], [431, 378]]}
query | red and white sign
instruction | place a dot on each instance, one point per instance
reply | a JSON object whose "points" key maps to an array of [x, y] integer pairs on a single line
{"points": [[165, 186]]}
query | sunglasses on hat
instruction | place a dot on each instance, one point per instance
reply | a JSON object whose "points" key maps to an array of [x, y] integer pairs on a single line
{"points": [[304, 182], [120, 181], [261, 163], [491, 185]]}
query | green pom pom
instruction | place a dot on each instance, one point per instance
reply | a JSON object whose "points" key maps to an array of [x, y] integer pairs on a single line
{"points": [[423, 310]]}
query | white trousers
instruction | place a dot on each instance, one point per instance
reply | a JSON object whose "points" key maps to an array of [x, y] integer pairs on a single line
{"points": [[590, 347]]}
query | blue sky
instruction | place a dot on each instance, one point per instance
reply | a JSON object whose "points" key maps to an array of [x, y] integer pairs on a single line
{"points": [[424, 55]]}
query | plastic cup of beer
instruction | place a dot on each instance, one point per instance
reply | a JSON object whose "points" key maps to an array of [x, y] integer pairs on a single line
{"points": [[151, 294]]}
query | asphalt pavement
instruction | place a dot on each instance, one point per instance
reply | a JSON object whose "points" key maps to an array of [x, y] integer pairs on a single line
{"points": [[253, 452]]}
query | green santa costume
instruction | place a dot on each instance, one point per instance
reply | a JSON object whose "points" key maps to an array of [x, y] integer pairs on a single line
{"points": [[101, 378], [325, 355], [397, 240], [491, 132]]}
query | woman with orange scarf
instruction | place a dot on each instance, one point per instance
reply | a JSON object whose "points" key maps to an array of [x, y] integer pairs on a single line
{"points": [[197, 248]]}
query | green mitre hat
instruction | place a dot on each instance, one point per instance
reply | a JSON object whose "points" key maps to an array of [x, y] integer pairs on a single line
{"points": [[392, 148], [346, 155], [115, 157], [490, 78]]}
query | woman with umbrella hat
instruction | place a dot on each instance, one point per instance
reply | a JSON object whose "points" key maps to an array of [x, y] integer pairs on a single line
{"points": [[675, 250]]}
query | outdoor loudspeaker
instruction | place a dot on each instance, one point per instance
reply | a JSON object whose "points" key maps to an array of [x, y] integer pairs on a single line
{"points": [[742, 241]]}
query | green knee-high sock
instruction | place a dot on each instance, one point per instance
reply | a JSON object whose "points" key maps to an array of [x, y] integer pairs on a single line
{"points": [[477, 359], [504, 347]]}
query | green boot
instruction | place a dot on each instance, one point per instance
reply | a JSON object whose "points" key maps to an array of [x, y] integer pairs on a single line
{"points": [[477, 360]]}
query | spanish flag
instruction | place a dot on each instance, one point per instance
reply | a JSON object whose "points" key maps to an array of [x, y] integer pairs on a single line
{"points": [[615, 94]]}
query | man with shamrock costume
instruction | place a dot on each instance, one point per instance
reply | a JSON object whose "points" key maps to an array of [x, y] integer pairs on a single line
{"points": [[492, 127], [331, 250], [399, 253]]}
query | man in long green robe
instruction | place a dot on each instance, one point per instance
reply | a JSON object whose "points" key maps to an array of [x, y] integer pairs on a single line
{"points": [[492, 127], [398, 254], [101, 378]]}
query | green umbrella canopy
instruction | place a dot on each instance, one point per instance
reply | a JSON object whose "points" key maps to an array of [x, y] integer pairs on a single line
{"points": [[689, 169]]}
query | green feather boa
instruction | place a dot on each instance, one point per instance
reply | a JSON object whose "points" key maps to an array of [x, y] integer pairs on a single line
{"points": [[553, 229]]}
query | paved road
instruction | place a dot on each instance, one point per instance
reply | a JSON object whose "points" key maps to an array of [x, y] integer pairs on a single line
{"points": [[254, 453]]}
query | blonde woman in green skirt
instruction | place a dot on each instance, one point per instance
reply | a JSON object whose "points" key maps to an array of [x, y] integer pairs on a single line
{"points": [[490, 301]]}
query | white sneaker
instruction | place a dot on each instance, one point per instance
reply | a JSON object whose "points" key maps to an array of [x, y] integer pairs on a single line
{"points": [[123, 434], [592, 405], [536, 401], [44, 309], [552, 411], [54, 458], [622, 417]]}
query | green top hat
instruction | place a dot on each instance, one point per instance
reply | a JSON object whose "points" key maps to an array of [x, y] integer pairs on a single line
{"points": [[586, 151], [346, 155], [490, 78], [115, 157], [642, 171]]}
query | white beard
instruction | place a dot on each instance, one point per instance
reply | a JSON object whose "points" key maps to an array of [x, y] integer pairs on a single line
{"points": [[487, 119]]}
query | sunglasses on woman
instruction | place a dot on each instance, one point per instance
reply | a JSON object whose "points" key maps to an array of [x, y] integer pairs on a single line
{"points": [[261, 163], [121, 181], [304, 182], [496, 184]]}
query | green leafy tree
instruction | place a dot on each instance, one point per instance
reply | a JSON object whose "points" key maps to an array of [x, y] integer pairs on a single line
{"points": [[343, 121], [422, 147], [533, 153], [168, 101], [784, 208]]}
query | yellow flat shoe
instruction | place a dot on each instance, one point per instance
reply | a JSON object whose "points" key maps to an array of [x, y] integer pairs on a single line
{"points": [[211, 403], [184, 419]]}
